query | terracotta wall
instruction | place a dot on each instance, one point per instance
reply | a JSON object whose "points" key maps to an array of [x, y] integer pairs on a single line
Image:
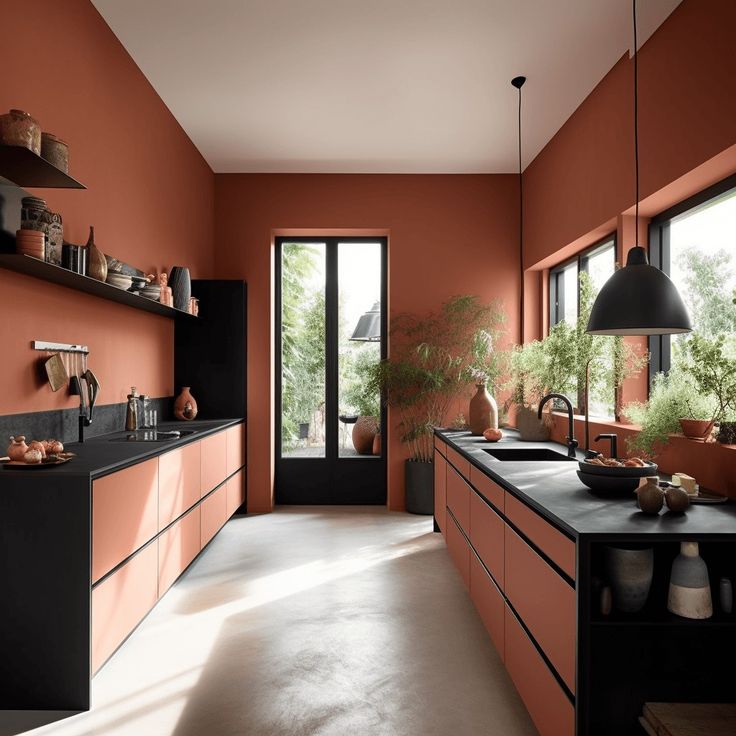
{"points": [[447, 235], [150, 197], [581, 186], [583, 179]]}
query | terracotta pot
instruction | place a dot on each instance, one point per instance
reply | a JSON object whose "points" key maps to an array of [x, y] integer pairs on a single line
{"points": [[18, 128], [483, 411], [17, 448], [55, 151], [185, 407], [364, 430], [696, 428], [531, 428], [377, 444], [96, 261]]}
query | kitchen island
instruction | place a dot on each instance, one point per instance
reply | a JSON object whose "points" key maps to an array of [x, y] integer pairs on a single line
{"points": [[88, 548], [529, 539]]}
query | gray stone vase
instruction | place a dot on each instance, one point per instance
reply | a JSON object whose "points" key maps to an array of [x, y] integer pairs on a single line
{"points": [[181, 287], [630, 573]]}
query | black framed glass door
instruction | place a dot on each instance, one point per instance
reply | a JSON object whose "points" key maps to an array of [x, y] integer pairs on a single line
{"points": [[330, 334]]}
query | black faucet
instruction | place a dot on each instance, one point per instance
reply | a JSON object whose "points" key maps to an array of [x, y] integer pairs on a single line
{"points": [[572, 443]]}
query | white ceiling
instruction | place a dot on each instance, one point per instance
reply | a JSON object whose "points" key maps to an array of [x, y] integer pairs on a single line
{"points": [[405, 86]]}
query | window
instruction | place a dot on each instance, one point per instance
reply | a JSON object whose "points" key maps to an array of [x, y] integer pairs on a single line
{"points": [[599, 262], [566, 302], [693, 243]]}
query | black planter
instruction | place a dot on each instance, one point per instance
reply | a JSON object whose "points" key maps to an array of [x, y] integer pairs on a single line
{"points": [[419, 485], [181, 287]]}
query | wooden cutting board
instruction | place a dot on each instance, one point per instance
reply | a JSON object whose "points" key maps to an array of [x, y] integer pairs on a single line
{"points": [[691, 719]]}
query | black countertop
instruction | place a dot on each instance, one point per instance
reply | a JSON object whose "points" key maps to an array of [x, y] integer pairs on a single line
{"points": [[555, 491], [99, 455]]}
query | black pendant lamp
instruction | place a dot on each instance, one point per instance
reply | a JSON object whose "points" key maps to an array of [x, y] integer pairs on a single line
{"points": [[518, 82], [638, 299], [368, 328]]}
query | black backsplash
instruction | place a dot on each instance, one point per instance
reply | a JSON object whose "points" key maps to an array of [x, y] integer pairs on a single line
{"points": [[62, 424]]}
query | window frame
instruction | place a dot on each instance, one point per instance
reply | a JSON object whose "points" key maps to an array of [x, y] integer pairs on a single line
{"points": [[660, 350], [556, 275]]}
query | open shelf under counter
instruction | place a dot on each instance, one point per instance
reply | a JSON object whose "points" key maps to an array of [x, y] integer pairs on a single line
{"points": [[24, 168], [63, 277]]}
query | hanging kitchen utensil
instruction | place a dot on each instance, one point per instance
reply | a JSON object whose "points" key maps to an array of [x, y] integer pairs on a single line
{"points": [[93, 389], [56, 372]]}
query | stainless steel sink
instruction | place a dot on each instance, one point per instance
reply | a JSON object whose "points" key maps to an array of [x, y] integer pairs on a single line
{"points": [[151, 435], [526, 454]]}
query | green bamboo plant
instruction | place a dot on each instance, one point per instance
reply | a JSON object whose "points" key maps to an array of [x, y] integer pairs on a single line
{"points": [[434, 357]]}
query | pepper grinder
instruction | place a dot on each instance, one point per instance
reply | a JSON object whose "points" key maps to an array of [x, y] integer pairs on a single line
{"points": [[131, 415]]}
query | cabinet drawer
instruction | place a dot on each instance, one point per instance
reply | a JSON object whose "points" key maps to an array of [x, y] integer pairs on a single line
{"points": [[488, 488], [559, 548], [120, 602], [214, 514], [235, 492], [214, 461], [460, 463], [124, 515], [440, 445], [458, 498], [179, 479], [489, 602], [487, 536], [440, 490], [177, 547], [551, 710], [459, 550], [545, 602], [235, 443]]}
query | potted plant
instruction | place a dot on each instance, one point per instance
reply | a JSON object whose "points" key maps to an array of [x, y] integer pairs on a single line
{"points": [[711, 364], [433, 357], [363, 398], [672, 397]]}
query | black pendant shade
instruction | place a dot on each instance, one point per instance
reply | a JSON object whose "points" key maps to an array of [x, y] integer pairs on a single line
{"points": [[638, 299], [368, 328]]}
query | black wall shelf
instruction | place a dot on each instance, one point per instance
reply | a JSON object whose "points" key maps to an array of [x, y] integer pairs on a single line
{"points": [[57, 275], [23, 167]]}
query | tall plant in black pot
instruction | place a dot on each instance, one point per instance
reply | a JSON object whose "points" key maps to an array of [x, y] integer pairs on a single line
{"points": [[181, 287], [434, 358]]}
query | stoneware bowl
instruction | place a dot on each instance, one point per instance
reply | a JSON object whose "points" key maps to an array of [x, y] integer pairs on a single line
{"points": [[609, 485], [608, 472]]}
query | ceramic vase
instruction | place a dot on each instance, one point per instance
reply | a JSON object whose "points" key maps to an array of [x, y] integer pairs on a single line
{"points": [[55, 151], [185, 407], [630, 573], [364, 430], [181, 287], [18, 128], [689, 593], [483, 411], [96, 261], [17, 448]]}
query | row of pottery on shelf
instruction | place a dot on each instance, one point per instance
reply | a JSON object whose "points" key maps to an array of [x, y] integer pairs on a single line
{"points": [[19, 128], [35, 215], [630, 571]]}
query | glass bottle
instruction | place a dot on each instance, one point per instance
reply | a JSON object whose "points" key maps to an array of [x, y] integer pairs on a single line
{"points": [[131, 415]]}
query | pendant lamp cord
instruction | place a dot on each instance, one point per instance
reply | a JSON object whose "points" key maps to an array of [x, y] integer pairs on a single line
{"points": [[636, 125], [518, 82]]}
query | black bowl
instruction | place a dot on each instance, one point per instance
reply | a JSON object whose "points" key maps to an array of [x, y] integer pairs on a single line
{"points": [[607, 485], [614, 472]]}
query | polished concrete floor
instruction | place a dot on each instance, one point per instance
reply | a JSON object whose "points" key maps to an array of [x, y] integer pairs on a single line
{"points": [[343, 621]]}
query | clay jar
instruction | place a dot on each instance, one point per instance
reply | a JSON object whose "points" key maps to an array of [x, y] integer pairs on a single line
{"points": [[18, 128], [55, 151], [17, 448], [364, 431], [185, 407], [96, 261], [483, 411]]}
